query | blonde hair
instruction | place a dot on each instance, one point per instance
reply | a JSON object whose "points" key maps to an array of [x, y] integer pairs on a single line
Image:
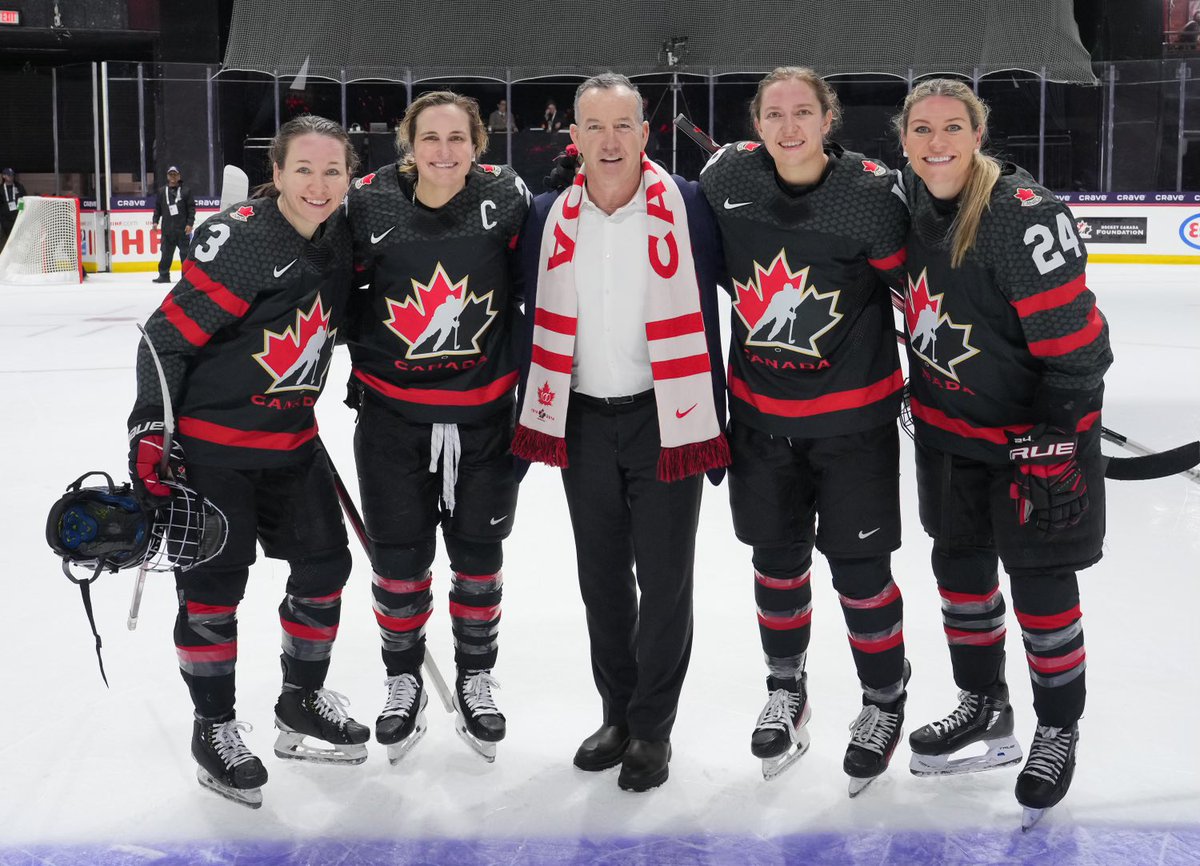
{"points": [[406, 132], [825, 94], [976, 194]]}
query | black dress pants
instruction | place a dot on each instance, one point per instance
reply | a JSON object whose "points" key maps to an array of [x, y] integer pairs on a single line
{"points": [[635, 545]]}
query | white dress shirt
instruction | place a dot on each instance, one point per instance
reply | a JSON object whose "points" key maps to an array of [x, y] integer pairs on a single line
{"points": [[612, 271]]}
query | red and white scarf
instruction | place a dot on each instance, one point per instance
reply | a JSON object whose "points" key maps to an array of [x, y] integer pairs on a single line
{"points": [[691, 437]]}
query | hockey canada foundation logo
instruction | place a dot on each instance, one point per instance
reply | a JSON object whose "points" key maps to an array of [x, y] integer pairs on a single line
{"points": [[932, 335], [440, 317], [780, 310], [298, 359], [1027, 197]]}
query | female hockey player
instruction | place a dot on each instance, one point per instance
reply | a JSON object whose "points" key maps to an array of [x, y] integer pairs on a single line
{"points": [[1007, 353], [245, 339], [433, 379], [812, 235]]}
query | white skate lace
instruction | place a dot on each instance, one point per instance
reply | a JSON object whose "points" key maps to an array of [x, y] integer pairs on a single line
{"points": [[873, 729], [967, 707], [402, 694], [227, 740], [780, 710], [331, 706], [1048, 754], [477, 693]]}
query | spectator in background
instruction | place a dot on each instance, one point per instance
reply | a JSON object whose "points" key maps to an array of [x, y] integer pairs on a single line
{"points": [[13, 193], [176, 209], [500, 120], [552, 119], [1191, 30]]}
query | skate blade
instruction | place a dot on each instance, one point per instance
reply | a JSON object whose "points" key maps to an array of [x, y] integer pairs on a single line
{"points": [[1002, 753], [485, 750], [1030, 817], [291, 745], [396, 751], [249, 797], [857, 786], [772, 767]]}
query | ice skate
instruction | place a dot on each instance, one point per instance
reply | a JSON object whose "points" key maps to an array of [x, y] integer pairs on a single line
{"points": [[320, 714], [402, 723], [225, 765], [978, 719], [873, 738], [477, 720], [781, 735], [1046, 776]]}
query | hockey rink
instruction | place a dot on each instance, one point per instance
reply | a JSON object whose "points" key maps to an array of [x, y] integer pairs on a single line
{"points": [[104, 776]]}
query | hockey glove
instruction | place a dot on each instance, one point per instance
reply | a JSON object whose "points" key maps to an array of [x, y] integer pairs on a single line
{"points": [[145, 463], [1049, 487]]}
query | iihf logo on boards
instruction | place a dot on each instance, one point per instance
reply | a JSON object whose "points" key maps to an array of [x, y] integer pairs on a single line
{"points": [[440, 317], [781, 311], [298, 359], [932, 335]]}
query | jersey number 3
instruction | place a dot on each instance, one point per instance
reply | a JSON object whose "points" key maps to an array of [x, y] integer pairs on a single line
{"points": [[207, 251], [1045, 256]]}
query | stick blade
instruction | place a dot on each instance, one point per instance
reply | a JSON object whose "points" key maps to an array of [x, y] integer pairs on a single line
{"points": [[235, 186]]}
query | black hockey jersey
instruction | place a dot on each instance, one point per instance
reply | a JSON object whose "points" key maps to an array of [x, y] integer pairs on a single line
{"points": [[434, 330], [813, 336], [1015, 321], [246, 337]]}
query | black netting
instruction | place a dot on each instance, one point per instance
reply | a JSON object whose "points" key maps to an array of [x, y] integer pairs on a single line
{"points": [[372, 39]]}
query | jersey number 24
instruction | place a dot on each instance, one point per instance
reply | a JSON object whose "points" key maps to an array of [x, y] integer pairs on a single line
{"points": [[1045, 255]]}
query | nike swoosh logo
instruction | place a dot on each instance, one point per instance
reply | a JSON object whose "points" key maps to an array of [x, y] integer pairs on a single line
{"points": [[496, 520], [377, 238], [734, 205], [862, 534], [279, 272], [679, 414]]}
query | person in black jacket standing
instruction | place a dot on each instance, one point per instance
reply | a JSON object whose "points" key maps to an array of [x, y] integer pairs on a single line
{"points": [[177, 210], [11, 193]]}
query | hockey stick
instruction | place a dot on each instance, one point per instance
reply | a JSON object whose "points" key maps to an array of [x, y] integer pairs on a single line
{"points": [[360, 529], [235, 186], [164, 464]]}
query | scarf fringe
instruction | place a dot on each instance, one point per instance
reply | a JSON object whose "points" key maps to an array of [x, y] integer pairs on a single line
{"points": [[538, 447], [692, 459]]}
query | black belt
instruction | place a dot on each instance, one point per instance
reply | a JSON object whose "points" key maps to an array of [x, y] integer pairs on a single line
{"points": [[615, 401]]}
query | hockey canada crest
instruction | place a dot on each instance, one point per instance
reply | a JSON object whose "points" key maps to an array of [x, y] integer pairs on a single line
{"points": [[872, 167], [297, 359], [932, 335], [748, 146], [780, 310], [440, 317], [243, 213], [1027, 197], [491, 169], [545, 396], [365, 180]]}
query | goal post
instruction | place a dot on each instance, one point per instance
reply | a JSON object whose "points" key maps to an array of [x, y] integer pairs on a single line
{"points": [[45, 244]]}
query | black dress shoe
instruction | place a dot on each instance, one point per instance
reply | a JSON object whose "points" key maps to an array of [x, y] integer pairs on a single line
{"points": [[603, 749], [644, 765]]}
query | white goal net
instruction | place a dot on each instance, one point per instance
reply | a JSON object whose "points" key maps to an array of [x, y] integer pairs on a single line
{"points": [[44, 245]]}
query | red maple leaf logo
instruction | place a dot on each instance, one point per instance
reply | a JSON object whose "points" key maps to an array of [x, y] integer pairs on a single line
{"points": [[545, 395], [440, 317], [770, 302], [927, 323], [917, 302], [365, 180], [873, 167], [1027, 197], [293, 359], [243, 213], [748, 146], [491, 169]]}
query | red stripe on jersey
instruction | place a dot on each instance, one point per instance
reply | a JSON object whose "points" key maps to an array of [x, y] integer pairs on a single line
{"points": [[401, 587], [1056, 664], [235, 438], [882, 599], [1049, 622], [1065, 345], [217, 293], [438, 397], [957, 637], [886, 263], [784, 623], [222, 652], [479, 614], [877, 645], [781, 582], [195, 608], [999, 435], [1051, 298], [679, 368], [835, 402], [691, 323], [968, 597], [183, 323], [308, 632], [555, 322], [402, 623], [552, 361]]}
